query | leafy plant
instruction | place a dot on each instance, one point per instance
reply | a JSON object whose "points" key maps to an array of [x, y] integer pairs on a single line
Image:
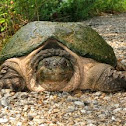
{"points": [[10, 21], [66, 10], [75, 10], [110, 6]]}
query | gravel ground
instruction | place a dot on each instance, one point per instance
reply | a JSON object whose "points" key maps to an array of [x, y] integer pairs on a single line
{"points": [[78, 108]]}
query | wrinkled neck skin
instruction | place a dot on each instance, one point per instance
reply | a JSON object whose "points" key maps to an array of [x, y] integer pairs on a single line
{"points": [[31, 76]]}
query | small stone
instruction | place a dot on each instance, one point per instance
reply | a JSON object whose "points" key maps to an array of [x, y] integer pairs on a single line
{"points": [[38, 121], [25, 108], [101, 116], [116, 105], [12, 93], [42, 125], [2, 120], [123, 62], [55, 110], [19, 124], [24, 95], [106, 98], [70, 98], [32, 114], [95, 102], [65, 93], [4, 102], [83, 111], [91, 124], [113, 118], [71, 109], [86, 108], [117, 110], [11, 118], [98, 93], [79, 103], [30, 118]]}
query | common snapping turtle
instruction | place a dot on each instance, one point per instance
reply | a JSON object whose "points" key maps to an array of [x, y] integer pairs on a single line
{"points": [[59, 57]]}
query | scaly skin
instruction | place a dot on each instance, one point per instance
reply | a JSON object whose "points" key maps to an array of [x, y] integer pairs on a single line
{"points": [[112, 80], [59, 69], [10, 78], [104, 77]]}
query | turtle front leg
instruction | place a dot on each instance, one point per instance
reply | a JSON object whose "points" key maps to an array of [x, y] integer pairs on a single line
{"points": [[10, 78], [103, 77], [111, 80]]}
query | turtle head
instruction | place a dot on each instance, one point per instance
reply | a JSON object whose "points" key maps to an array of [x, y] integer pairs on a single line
{"points": [[53, 66], [54, 69]]}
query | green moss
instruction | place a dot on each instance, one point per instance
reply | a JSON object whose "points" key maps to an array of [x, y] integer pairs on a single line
{"points": [[88, 43]]}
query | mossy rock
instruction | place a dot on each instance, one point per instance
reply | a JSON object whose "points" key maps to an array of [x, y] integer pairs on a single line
{"points": [[78, 37]]}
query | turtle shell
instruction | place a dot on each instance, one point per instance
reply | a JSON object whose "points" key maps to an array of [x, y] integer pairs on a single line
{"points": [[78, 37]]}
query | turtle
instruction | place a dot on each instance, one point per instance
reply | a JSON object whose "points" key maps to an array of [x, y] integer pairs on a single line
{"points": [[59, 56]]}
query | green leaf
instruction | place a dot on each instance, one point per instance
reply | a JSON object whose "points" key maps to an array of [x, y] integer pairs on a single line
{"points": [[2, 29], [3, 14], [2, 20]]}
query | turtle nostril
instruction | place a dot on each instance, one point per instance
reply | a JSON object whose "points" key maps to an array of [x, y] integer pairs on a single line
{"points": [[54, 64]]}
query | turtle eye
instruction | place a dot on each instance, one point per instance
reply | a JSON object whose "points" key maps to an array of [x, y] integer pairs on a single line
{"points": [[63, 63], [46, 63]]}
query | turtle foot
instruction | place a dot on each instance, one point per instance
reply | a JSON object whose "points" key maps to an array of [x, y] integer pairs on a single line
{"points": [[9, 78], [112, 80]]}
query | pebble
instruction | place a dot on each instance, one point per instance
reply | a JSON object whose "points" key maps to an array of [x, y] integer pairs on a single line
{"points": [[91, 124], [83, 111], [79, 103], [117, 110], [79, 108], [4, 102], [2, 120], [30, 118], [98, 93], [19, 124], [71, 109], [113, 118]]}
